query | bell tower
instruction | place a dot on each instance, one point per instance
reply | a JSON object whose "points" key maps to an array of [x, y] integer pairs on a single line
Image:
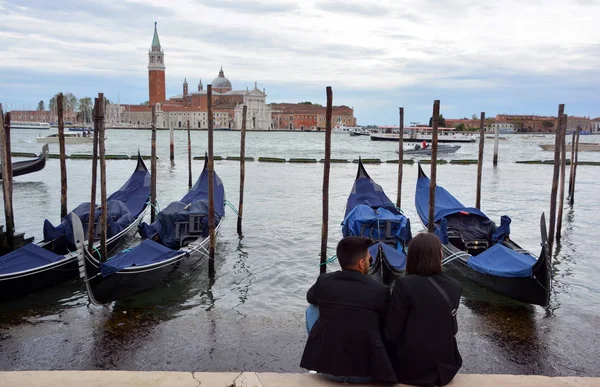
{"points": [[156, 71]]}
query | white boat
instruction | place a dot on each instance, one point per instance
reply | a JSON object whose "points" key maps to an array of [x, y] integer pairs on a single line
{"points": [[70, 138], [420, 134], [418, 151], [346, 129], [583, 147], [29, 125]]}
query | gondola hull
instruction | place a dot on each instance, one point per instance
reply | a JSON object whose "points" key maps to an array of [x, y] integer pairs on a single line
{"points": [[20, 284], [135, 280], [29, 166]]}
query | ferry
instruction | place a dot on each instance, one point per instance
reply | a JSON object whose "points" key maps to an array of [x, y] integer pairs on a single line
{"points": [[423, 133], [346, 129], [29, 125]]}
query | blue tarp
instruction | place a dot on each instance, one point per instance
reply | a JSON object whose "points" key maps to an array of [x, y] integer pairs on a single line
{"points": [[445, 203], [372, 223], [124, 206], [501, 261], [194, 203], [366, 192], [502, 232], [146, 253], [394, 256], [27, 257]]}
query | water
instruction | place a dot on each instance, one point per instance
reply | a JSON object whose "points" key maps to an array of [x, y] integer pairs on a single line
{"points": [[250, 316]]}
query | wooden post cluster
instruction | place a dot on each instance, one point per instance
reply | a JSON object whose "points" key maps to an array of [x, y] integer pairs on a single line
{"points": [[432, 182], [7, 188], [211, 186], [153, 167], [61, 150], [189, 156], [555, 176], [242, 169], [326, 169], [563, 163], [400, 157], [90, 230], [480, 160]]}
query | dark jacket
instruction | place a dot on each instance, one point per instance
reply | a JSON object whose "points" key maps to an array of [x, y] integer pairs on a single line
{"points": [[346, 340], [419, 330]]}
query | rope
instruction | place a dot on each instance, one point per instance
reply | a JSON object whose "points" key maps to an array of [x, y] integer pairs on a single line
{"points": [[452, 257], [97, 252], [399, 209], [235, 211], [328, 261], [156, 207]]}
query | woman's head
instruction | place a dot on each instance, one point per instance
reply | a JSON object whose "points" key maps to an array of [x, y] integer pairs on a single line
{"points": [[424, 255]]}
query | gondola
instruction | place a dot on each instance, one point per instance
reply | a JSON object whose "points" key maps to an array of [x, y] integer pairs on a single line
{"points": [[174, 244], [37, 266], [370, 213], [483, 252], [29, 166]]}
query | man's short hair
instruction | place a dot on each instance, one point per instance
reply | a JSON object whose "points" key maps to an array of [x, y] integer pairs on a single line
{"points": [[351, 249]]}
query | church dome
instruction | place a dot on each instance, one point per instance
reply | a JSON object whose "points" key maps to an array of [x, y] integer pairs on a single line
{"points": [[221, 82]]}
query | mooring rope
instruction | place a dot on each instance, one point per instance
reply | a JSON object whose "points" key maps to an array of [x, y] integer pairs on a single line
{"points": [[156, 207], [329, 260], [235, 211]]}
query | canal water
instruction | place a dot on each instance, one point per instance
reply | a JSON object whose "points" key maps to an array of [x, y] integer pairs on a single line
{"points": [[250, 315]]}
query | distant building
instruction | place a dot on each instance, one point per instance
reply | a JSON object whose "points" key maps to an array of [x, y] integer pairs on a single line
{"points": [[596, 125], [301, 116], [585, 123], [227, 104]]}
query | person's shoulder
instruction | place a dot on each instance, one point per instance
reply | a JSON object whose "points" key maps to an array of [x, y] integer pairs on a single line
{"points": [[451, 281]]}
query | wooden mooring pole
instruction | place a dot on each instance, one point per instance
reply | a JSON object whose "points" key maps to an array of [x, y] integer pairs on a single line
{"points": [[574, 162], [61, 150], [555, 176], [496, 145], [400, 157], [103, 203], [211, 186], [326, 169], [242, 169], [189, 156], [563, 163], [90, 230], [7, 188], [172, 142], [571, 167], [480, 160], [434, 146], [153, 167]]}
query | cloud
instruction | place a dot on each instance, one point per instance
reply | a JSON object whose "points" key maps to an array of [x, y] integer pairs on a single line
{"points": [[253, 7], [354, 8]]}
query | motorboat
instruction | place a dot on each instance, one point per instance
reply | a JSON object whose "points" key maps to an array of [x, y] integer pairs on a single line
{"points": [[70, 138]]}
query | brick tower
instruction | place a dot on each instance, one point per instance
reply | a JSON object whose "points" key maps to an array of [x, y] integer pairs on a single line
{"points": [[156, 71]]}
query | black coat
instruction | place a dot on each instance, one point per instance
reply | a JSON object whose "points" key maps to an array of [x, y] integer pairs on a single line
{"points": [[419, 330], [346, 340]]}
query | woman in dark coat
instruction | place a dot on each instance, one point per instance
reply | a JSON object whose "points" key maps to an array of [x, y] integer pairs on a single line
{"points": [[420, 324]]}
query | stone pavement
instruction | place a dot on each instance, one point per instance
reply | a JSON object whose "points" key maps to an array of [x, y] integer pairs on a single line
{"points": [[245, 379]]}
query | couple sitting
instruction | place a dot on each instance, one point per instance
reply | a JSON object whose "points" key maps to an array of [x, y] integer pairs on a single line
{"points": [[362, 334]]}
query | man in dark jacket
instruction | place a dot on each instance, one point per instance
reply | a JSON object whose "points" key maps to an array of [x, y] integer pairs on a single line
{"points": [[346, 340]]}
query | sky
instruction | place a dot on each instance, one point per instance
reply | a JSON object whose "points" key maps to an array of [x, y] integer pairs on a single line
{"points": [[514, 57]]}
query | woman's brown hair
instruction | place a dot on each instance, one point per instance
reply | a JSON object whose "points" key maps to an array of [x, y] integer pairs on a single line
{"points": [[424, 255]]}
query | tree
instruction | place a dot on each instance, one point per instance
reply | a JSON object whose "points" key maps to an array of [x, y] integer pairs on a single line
{"points": [[305, 103], [146, 103], [441, 121], [70, 102], [460, 127], [85, 108], [547, 124], [40, 107]]}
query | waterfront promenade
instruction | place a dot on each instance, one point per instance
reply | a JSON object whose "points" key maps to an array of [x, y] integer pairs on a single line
{"points": [[248, 379]]}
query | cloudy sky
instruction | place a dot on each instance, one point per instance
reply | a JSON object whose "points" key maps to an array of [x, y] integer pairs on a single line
{"points": [[495, 56]]}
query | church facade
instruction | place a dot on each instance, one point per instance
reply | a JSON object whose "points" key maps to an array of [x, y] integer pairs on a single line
{"points": [[191, 106]]}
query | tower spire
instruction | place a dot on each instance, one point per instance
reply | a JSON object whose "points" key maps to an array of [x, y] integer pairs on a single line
{"points": [[155, 40]]}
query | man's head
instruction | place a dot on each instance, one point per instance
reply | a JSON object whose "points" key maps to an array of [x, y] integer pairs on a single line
{"points": [[353, 254]]}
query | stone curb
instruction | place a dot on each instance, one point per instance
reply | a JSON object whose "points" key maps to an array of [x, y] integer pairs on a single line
{"points": [[247, 379]]}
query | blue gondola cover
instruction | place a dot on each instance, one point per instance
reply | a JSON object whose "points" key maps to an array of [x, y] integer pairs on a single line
{"points": [[394, 256], [502, 232], [146, 253], [27, 257], [501, 261], [373, 223]]}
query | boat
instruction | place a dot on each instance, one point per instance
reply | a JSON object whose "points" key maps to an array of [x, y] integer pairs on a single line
{"points": [[174, 244], [37, 266], [29, 125], [370, 213], [583, 147], [494, 137], [420, 134], [481, 251], [346, 129], [360, 132], [70, 138], [29, 166], [81, 129], [419, 151]]}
